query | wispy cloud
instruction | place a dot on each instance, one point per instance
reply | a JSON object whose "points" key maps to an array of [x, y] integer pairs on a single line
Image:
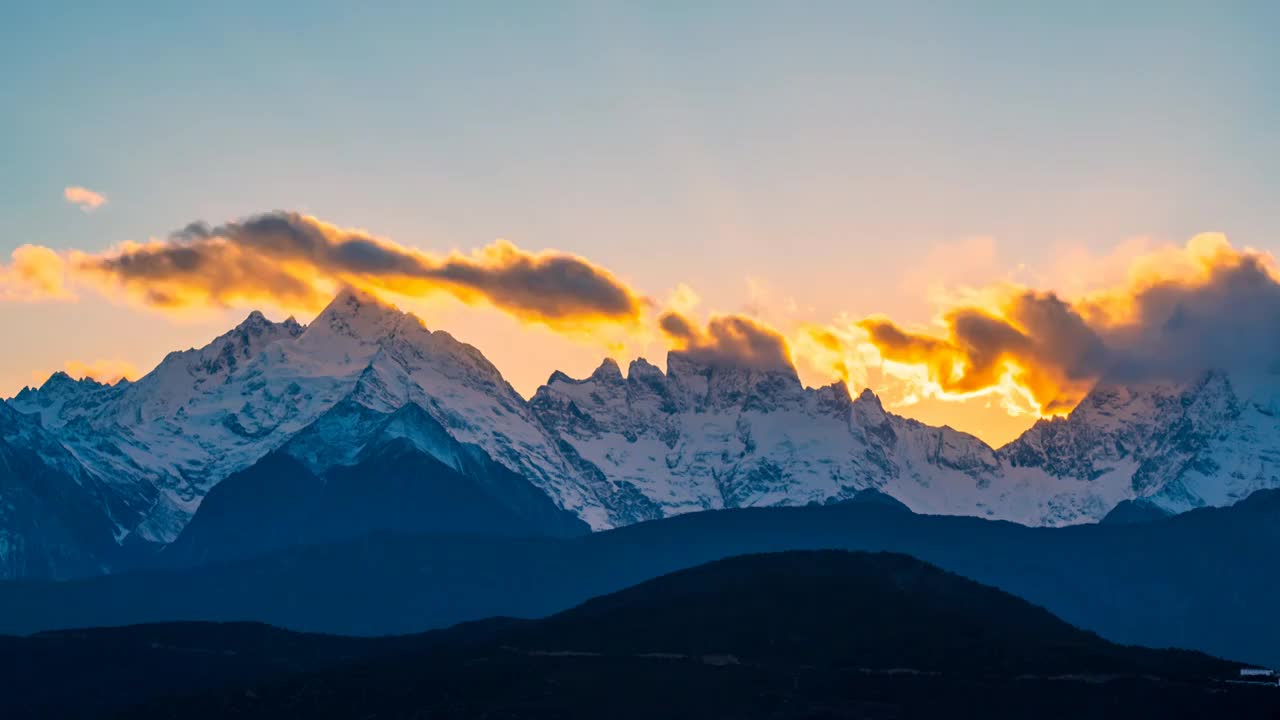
{"points": [[86, 199]]}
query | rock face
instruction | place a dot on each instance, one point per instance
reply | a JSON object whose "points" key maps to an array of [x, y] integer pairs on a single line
{"points": [[612, 449]]}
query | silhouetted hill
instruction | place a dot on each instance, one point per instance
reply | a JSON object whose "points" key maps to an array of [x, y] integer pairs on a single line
{"points": [[1203, 580], [792, 635], [829, 607], [788, 635]]}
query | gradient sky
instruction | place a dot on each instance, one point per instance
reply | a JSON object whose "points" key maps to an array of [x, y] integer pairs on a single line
{"points": [[799, 163]]}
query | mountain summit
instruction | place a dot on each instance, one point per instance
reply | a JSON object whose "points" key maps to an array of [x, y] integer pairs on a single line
{"points": [[162, 442]]}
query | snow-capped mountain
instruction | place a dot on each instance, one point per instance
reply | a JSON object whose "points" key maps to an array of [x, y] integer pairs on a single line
{"points": [[162, 442], [1211, 441], [701, 437], [611, 449], [196, 417]]}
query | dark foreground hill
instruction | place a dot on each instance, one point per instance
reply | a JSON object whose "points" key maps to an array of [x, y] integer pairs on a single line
{"points": [[789, 635], [1203, 580]]}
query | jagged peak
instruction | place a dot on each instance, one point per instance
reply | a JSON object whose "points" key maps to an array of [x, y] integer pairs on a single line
{"points": [[838, 390], [867, 396], [641, 368], [608, 371], [359, 314], [560, 378], [869, 407], [55, 379], [351, 302], [255, 325], [62, 381]]}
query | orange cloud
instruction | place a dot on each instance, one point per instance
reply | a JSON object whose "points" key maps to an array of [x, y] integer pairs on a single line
{"points": [[298, 262], [104, 371], [1180, 311], [86, 199], [34, 274]]}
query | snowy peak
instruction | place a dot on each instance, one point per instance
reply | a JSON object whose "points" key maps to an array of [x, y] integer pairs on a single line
{"points": [[1173, 445], [702, 436], [62, 398], [59, 388], [62, 383], [243, 343], [359, 315], [608, 372]]}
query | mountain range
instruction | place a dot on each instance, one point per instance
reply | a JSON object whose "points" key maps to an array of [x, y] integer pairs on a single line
{"points": [[285, 423]]}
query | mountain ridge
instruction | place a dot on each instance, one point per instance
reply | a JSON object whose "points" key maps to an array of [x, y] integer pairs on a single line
{"points": [[617, 448]]}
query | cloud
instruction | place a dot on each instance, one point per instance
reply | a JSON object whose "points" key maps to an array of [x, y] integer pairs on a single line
{"points": [[34, 274], [1033, 340], [299, 261], [104, 371], [728, 341], [86, 199], [1181, 311]]}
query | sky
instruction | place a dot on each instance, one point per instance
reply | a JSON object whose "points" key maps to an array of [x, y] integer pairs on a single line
{"points": [[805, 166]]}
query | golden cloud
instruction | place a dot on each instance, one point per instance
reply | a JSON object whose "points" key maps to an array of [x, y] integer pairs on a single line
{"points": [[104, 371], [34, 274], [297, 261], [1181, 311]]}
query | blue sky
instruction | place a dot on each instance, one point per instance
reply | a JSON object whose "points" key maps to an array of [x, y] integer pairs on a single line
{"points": [[819, 149]]}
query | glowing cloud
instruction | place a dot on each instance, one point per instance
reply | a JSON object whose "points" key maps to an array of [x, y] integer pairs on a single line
{"points": [[34, 274], [728, 340], [297, 261], [86, 199], [1182, 310], [104, 371]]}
